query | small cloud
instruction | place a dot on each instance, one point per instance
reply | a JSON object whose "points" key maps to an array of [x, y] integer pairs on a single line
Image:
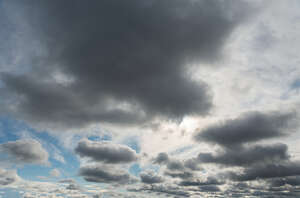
{"points": [[106, 152], [8, 177], [55, 173], [25, 151]]}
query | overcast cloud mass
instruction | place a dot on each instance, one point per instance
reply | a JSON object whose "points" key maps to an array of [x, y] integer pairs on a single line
{"points": [[149, 98]]}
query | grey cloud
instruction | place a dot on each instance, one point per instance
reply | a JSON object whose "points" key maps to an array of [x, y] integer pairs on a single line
{"points": [[8, 177], [267, 171], [247, 156], [67, 181], [249, 127], [39, 100], [169, 190], [175, 165], [238, 139], [25, 151], [208, 181], [192, 164], [105, 174], [177, 168], [210, 188], [127, 60], [179, 174], [106, 152], [161, 158], [73, 186], [151, 178], [278, 182]]}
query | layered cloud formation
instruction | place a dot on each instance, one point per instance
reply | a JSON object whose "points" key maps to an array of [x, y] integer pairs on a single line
{"points": [[119, 62], [149, 98]]}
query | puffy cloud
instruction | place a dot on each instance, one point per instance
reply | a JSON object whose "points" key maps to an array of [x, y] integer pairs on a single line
{"points": [[161, 158], [267, 171], [118, 62], [151, 178], [247, 156], [192, 164], [73, 186], [177, 168], [247, 128], [238, 139], [175, 165], [106, 152], [25, 151], [8, 177], [105, 174]]}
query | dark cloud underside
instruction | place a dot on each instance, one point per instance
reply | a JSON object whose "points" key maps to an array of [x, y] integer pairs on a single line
{"points": [[7, 177], [106, 152], [151, 178], [247, 156], [268, 171], [105, 174], [238, 140], [249, 127], [24, 151], [127, 59]]}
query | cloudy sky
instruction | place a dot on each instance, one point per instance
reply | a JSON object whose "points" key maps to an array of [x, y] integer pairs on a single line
{"points": [[149, 98]]}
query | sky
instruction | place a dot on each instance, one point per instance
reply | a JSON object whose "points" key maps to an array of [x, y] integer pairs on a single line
{"points": [[149, 98]]}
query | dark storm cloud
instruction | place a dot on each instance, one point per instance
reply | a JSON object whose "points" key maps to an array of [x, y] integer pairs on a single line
{"points": [[127, 60], [24, 151], [247, 156], [151, 178], [106, 152], [40, 100], [249, 127], [7, 177], [105, 174], [267, 171]]}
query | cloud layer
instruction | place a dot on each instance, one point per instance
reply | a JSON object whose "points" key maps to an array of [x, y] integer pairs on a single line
{"points": [[119, 62]]}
